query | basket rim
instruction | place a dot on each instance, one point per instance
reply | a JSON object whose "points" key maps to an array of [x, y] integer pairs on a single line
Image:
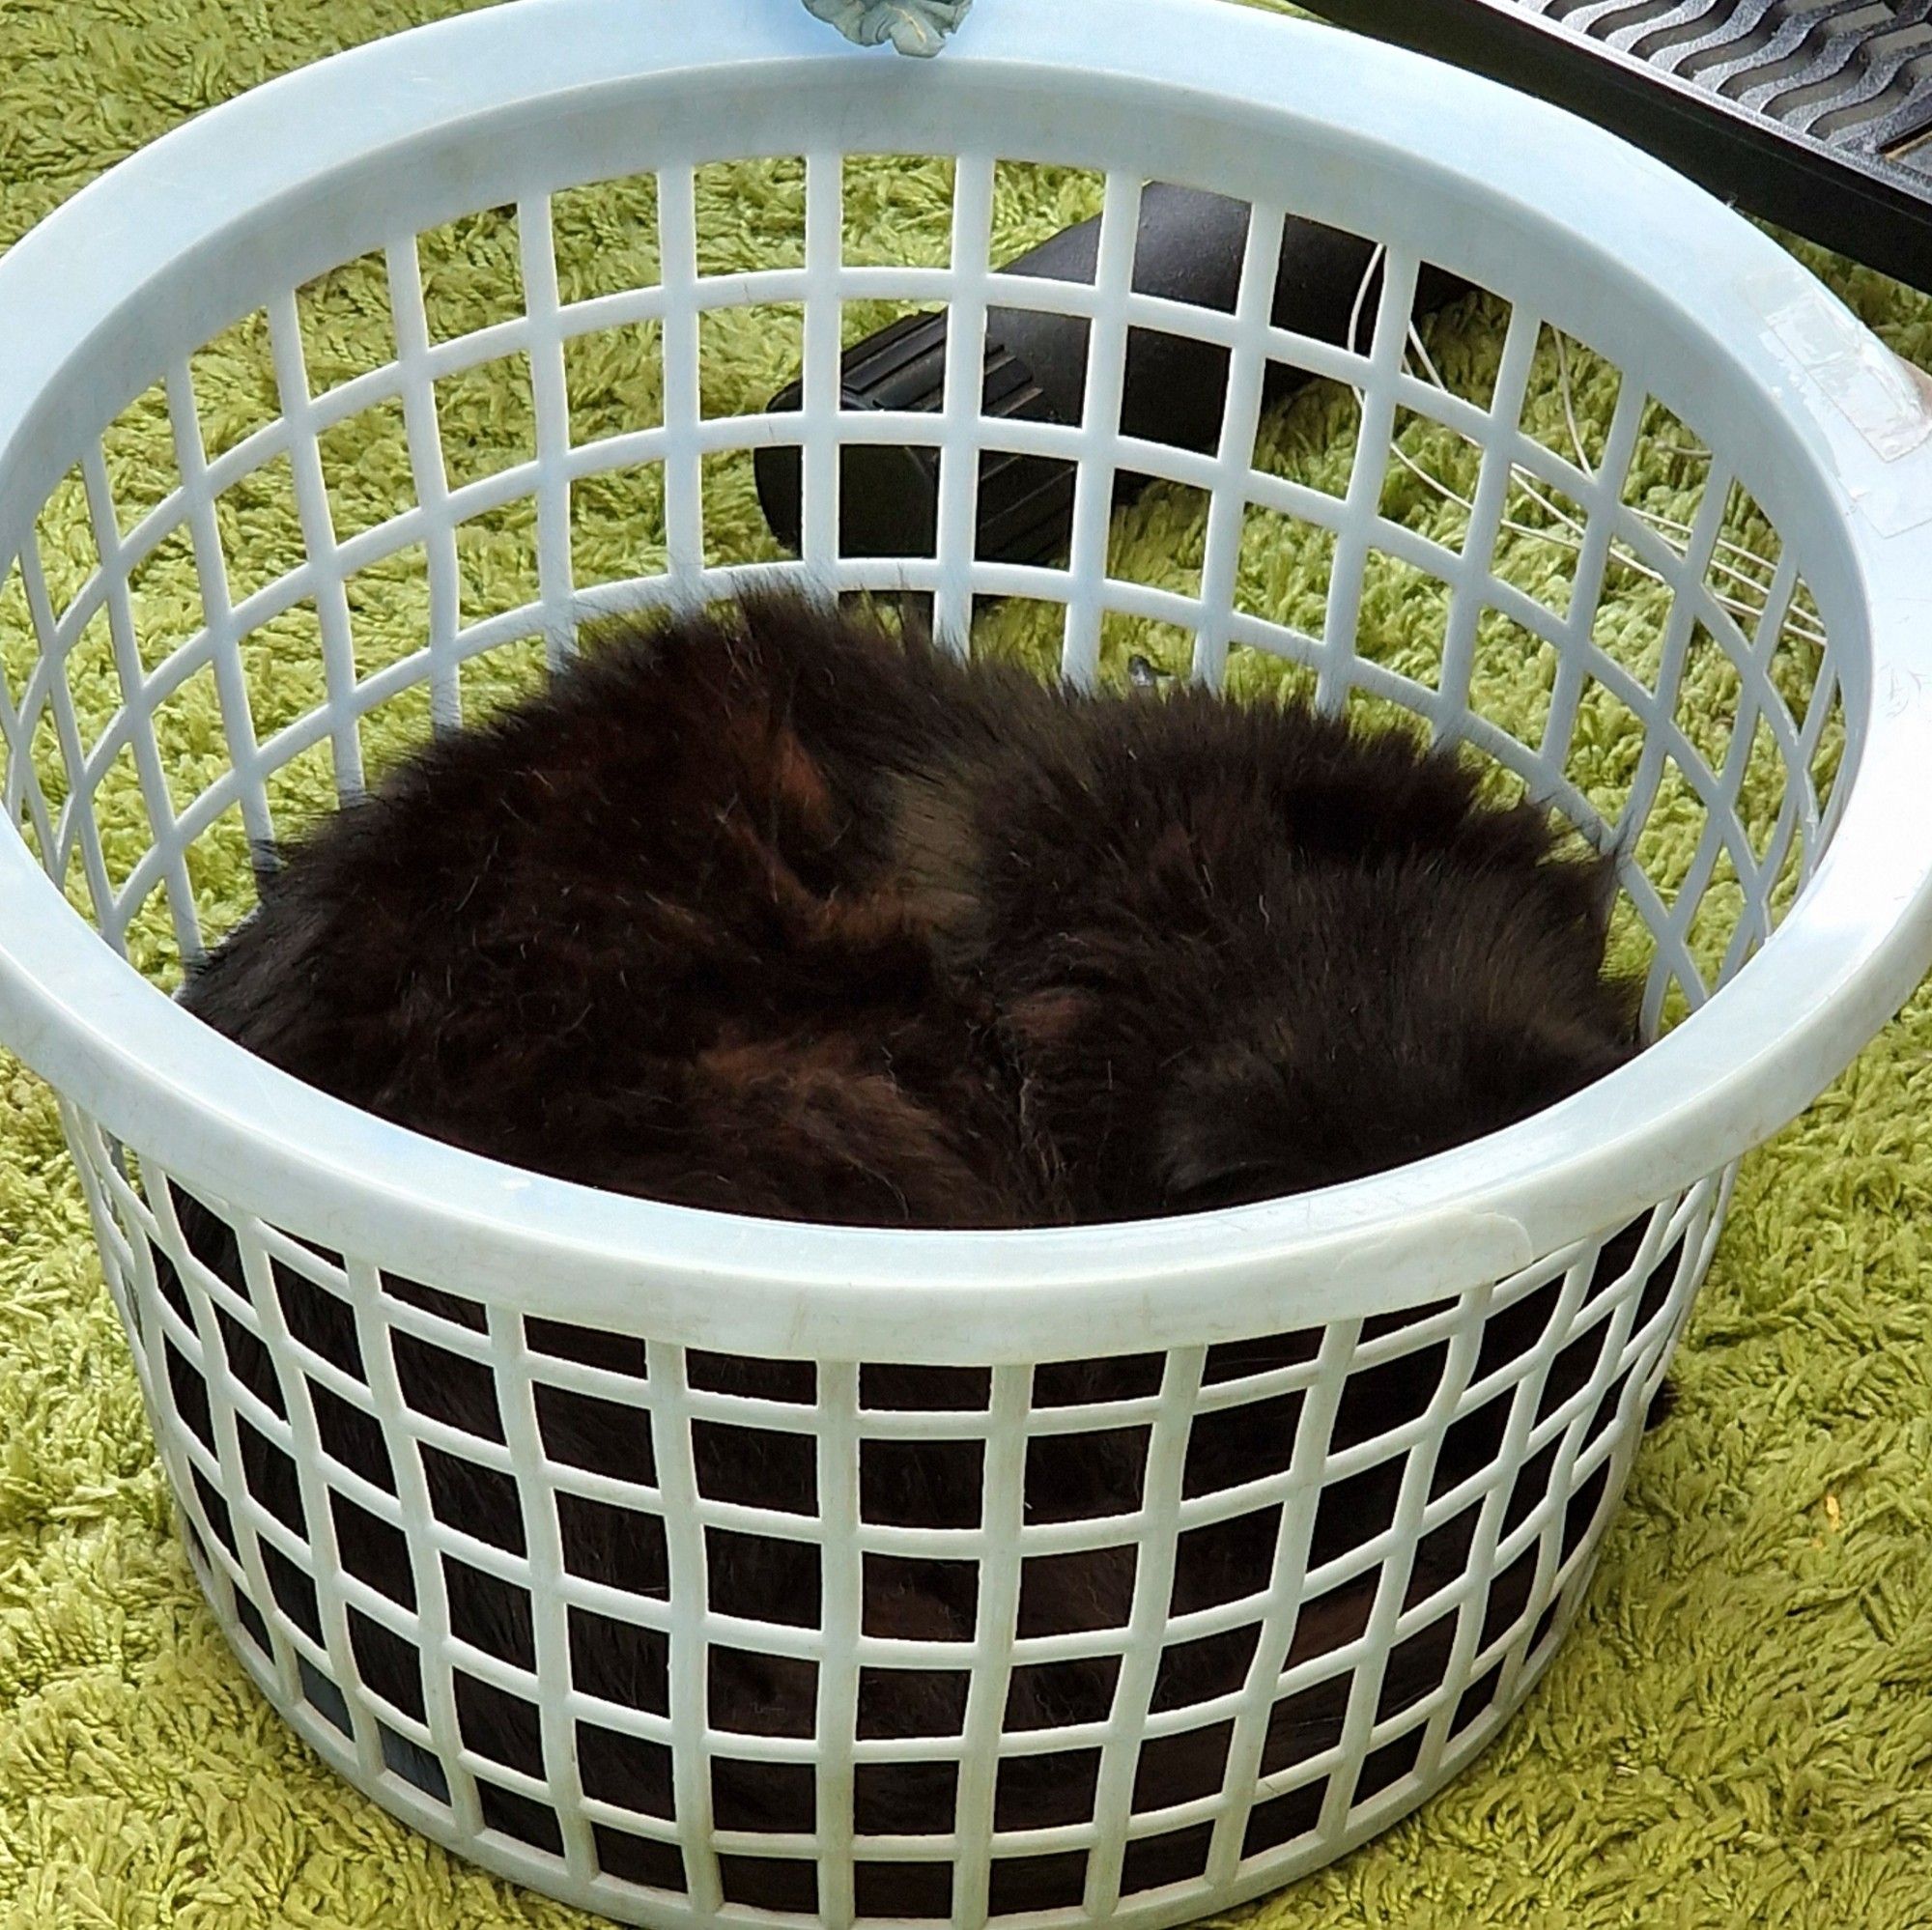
{"points": [[1848, 955]]}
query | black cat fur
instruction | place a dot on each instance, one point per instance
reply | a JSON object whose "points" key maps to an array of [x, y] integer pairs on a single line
{"points": [[765, 913]]}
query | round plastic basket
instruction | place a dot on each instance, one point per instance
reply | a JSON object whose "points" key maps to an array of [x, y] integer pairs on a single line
{"points": [[1785, 939]]}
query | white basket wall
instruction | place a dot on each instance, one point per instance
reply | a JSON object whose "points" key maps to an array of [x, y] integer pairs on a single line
{"points": [[424, 1595]]}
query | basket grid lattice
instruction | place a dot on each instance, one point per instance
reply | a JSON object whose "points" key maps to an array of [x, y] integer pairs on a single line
{"points": [[652, 1802]]}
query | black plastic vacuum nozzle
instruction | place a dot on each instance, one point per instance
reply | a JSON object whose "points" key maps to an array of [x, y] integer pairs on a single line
{"points": [[1190, 249]]}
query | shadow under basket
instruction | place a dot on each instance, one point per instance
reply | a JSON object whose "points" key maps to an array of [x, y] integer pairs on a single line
{"points": [[575, 1529]]}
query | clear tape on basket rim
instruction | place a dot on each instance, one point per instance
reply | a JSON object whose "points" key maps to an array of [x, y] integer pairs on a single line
{"points": [[1214, 80]]}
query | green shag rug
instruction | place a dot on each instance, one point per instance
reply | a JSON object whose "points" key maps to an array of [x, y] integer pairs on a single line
{"points": [[1739, 1732]]}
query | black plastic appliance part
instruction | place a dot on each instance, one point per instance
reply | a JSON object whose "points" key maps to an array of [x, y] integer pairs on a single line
{"points": [[1190, 248], [1815, 114]]}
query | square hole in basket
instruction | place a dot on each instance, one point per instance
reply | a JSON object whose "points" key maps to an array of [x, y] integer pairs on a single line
{"points": [[270, 1476], [765, 1798], [367, 468], [1430, 479], [1715, 941], [1710, 694], [389, 1665], [1571, 398], [1077, 1477], [372, 1549], [1605, 746], [746, 353], [631, 1772], [504, 1727], [489, 1614], [1161, 365], [121, 818], [1537, 545], [497, 565], [1155, 1863], [1416, 1667], [474, 1500], [1314, 439], [756, 1468], [735, 530], [1181, 1767], [214, 1512], [1022, 1885], [1513, 677], [614, 378], [261, 528], [1796, 656], [770, 1883], [1666, 842], [922, 1891], [1160, 537], [1287, 565], [1763, 788], [94, 680], [638, 1860], [760, 1579], [1667, 474], [245, 1611], [189, 1392], [446, 1386], [233, 376], [282, 665], [1225, 1561], [469, 1315], [64, 542], [1404, 618], [1386, 1766], [1247, 1360], [322, 1696], [1044, 1792], [1061, 1695], [388, 627], [1204, 1668], [1305, 1724], [318, 1318], [919, 1600], [897, 210], [920, 1483], [755, 1694], [621, 1548], [750, 214], [795, 1383], [912, 1702], [1033, 201], [1230, 1447], [1477, 1699], [138, 451], [294, 1591], [904, 1798], [620, 1661], [471, 273], [1085, 1589], [518, 1817], [590, 1347], [486, 419], [603, 1436], [1087, 1384], [188, 737], [1508, 1597], [164, 598], [348, 327], [605, 236]]}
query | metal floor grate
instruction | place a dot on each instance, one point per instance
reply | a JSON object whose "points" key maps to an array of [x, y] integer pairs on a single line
{"points": [[1816, 114]]}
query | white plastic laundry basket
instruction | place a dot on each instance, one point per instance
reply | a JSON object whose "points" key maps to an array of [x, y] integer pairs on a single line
{"points": [[1824, 926]]}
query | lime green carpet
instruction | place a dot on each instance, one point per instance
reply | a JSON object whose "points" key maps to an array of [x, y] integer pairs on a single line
{"points": [[1741, 1729]]}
